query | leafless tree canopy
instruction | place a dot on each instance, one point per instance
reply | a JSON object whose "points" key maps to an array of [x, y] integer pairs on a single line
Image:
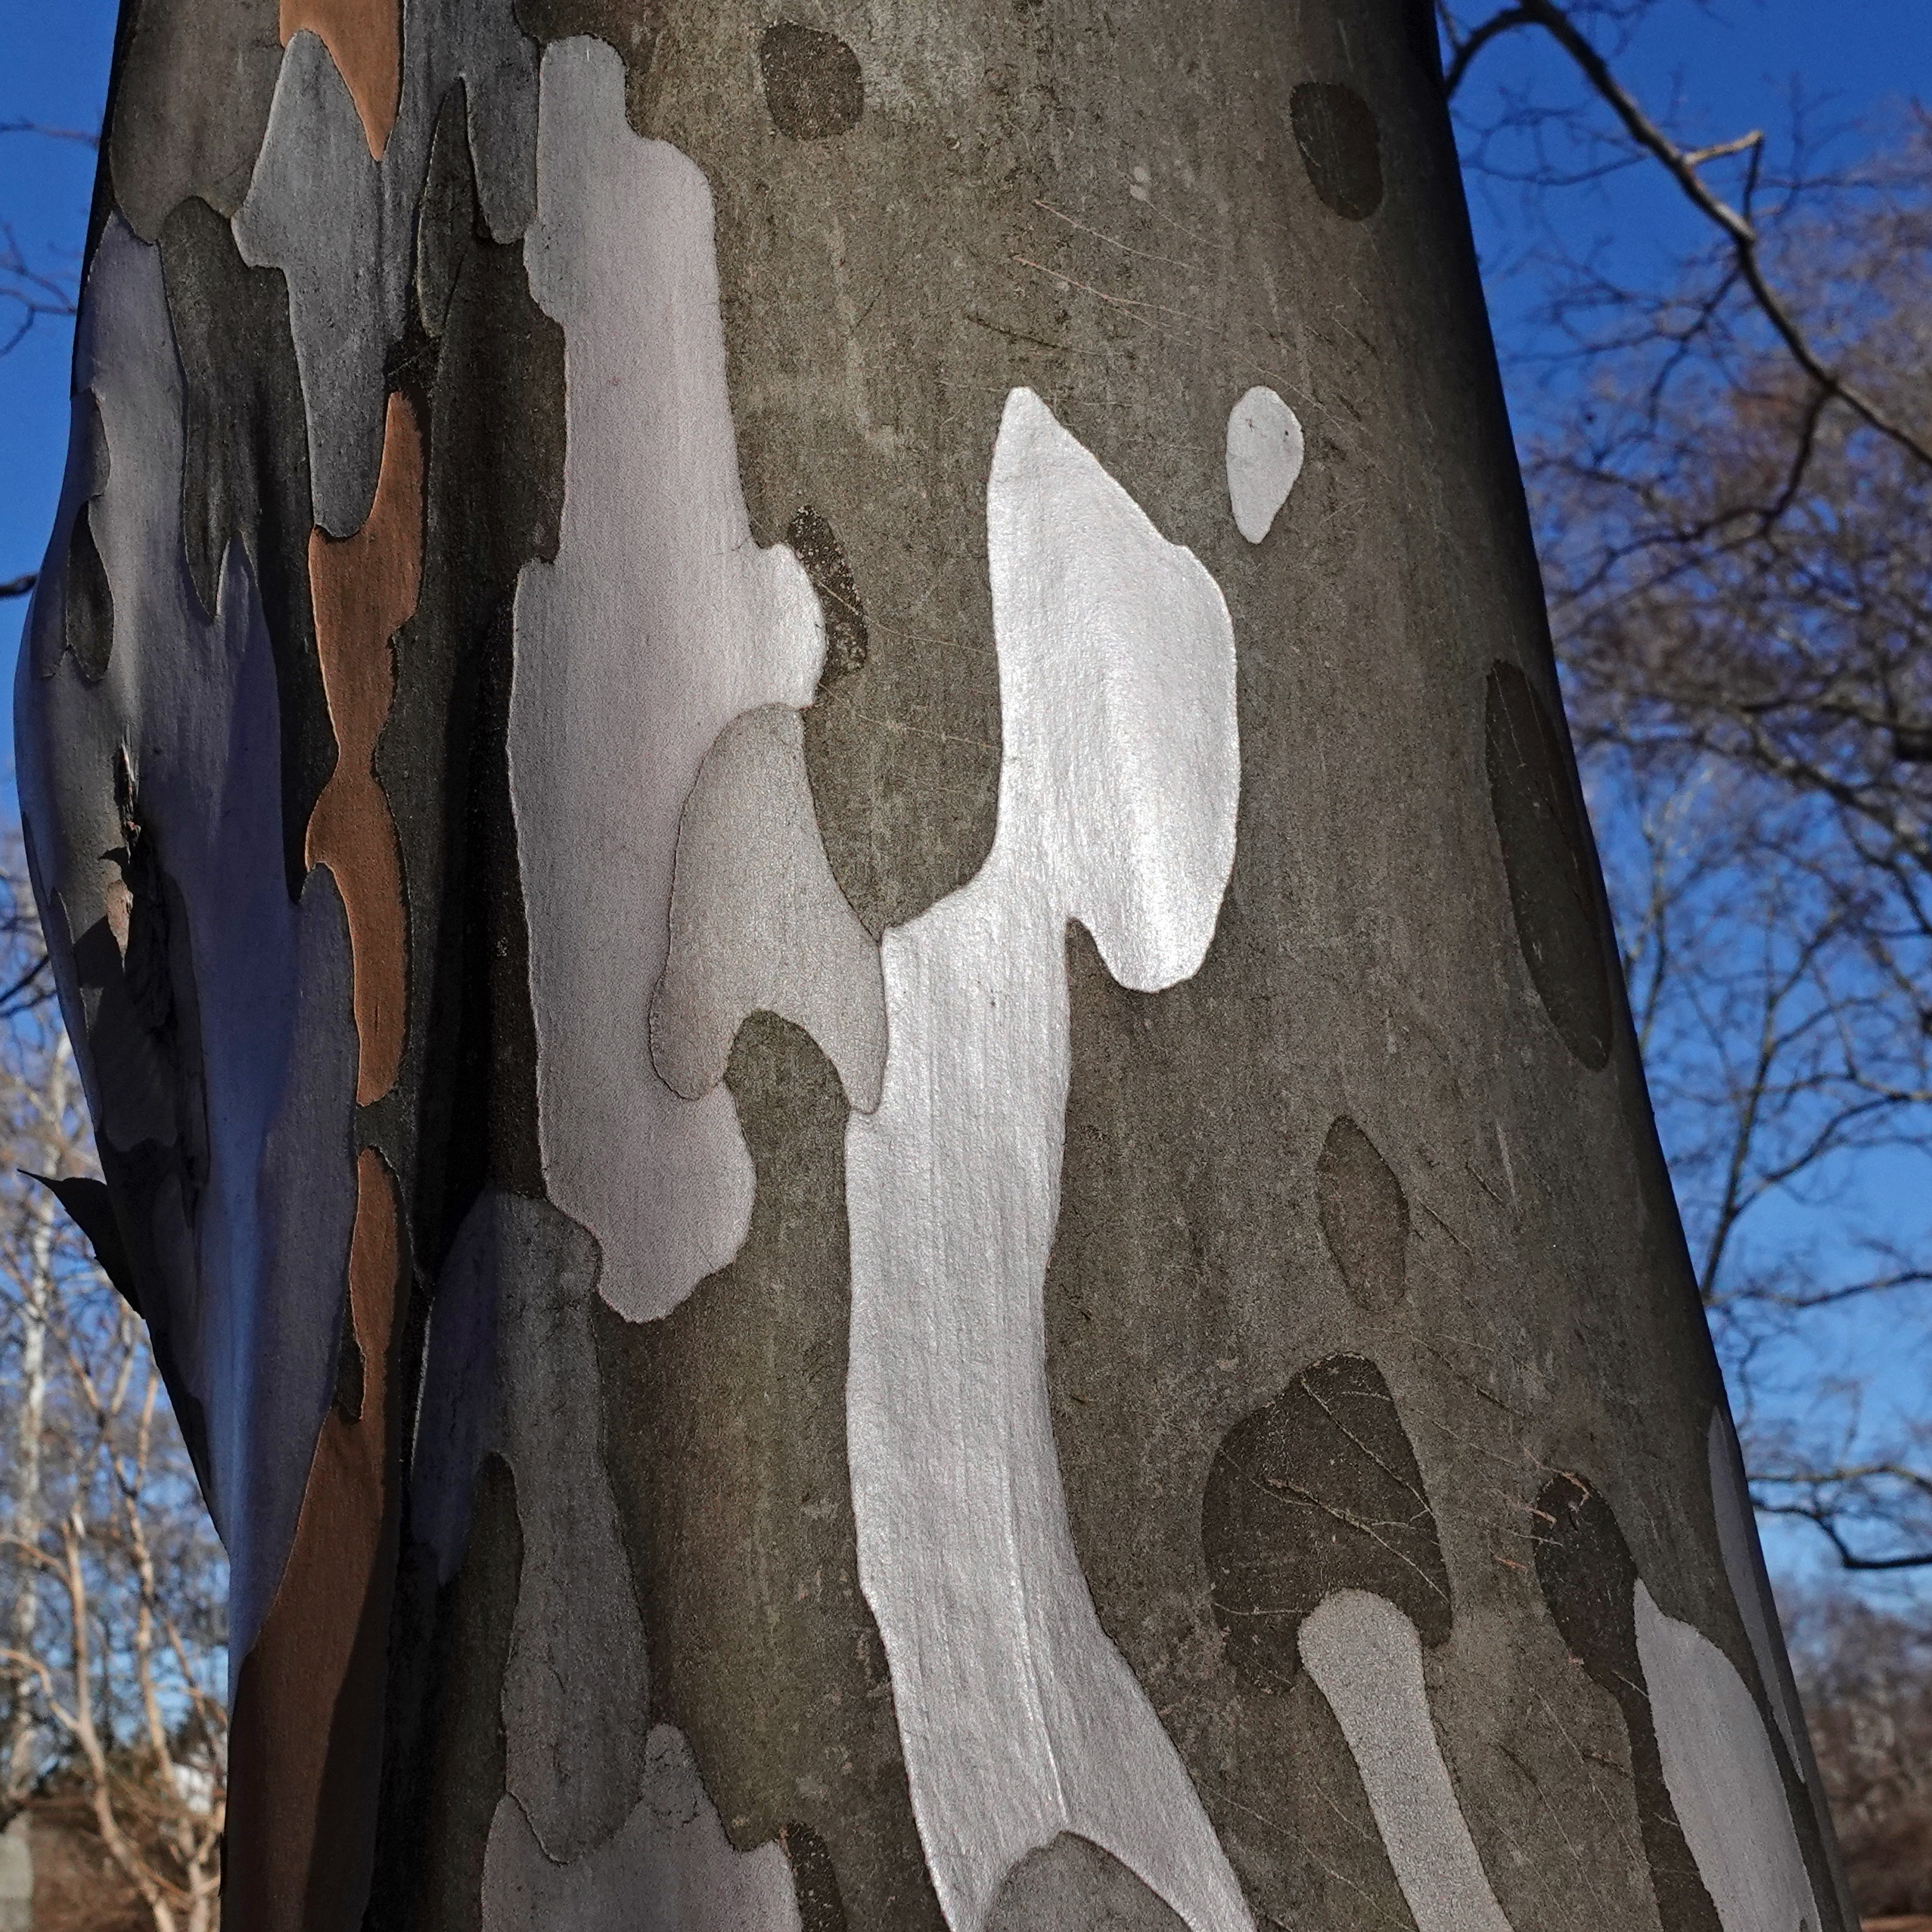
{"points": [[1730, 469], [112, 1587]]}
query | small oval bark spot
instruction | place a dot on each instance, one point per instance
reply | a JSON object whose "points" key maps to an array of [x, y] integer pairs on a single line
{"points": [[1552, 894], [1364, 1215], [1341, 148], [813, 86]]}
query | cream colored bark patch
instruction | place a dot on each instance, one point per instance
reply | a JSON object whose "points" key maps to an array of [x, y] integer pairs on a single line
{"points": [[1019, 1720], [660, 621], [1366, 1658], [671, 1866], [1264, 458], [1723, 1778], [758, 921]]}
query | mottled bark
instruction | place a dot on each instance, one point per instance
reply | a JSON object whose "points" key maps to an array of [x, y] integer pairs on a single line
{"points": [[848, 1006]]}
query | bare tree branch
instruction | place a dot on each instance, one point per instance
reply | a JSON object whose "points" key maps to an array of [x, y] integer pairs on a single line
{"points": [[1682, 165]]}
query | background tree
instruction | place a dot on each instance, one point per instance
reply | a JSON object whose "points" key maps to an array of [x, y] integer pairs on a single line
{"points": [[113, 1656]]}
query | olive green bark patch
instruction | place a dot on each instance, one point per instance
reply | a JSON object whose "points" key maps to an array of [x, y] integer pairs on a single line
{"points": [[1364, 1215], [724, 1432], [1552, 892], [190, 106], [1341, 146], [1319, 1491]]}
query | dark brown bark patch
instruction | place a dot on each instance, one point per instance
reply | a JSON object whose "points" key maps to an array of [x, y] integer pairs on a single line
{"points": [[821, 1908], [1319, 1491], [1588, 1579], [818, 548], [813, 86], [1073, 1882], [1364, 1215], [1341, 146], [1552, 892]]}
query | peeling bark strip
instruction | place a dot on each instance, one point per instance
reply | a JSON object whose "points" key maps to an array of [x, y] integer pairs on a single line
{"points": [[305, 1743], [364, 37], [765, 760], [364, 587]]}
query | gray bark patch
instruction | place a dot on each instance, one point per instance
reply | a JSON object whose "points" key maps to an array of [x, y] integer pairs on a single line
{"points": [[1552, 893], [1319, 1491], [1074, 1885], [1364, 1215], [813, 86], [1340, 146]]}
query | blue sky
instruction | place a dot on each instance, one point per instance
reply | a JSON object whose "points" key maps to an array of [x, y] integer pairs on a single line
{"points": [[1710, 72]]}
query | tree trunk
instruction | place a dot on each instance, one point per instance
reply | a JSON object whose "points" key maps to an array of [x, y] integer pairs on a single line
{"points": [[871, 1101]]}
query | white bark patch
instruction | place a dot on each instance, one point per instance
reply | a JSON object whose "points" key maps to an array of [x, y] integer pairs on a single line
{"points": [[254, 1282], [671, 1866], [758, 921], [1019, 1719], [342, 227], [1744, 1565], [1723, 1778], [1264, 458], [660, 621], [1366, 1658]]}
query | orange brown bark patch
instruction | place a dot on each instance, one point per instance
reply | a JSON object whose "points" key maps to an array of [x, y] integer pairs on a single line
{"points": [[306, 1746], [365, 588], [365, 40]]}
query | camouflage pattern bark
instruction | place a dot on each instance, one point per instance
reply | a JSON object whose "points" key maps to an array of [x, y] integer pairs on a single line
{"points": [[801, 800]]}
